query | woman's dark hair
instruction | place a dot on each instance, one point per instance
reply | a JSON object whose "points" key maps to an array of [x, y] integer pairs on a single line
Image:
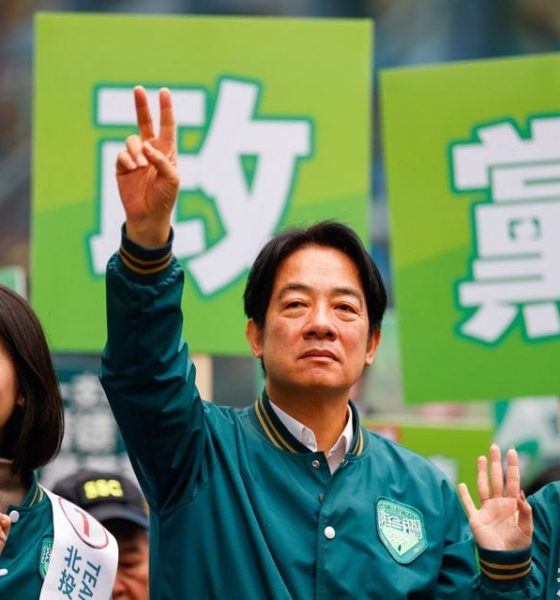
{"points": [[326, 233], [33, 434]]}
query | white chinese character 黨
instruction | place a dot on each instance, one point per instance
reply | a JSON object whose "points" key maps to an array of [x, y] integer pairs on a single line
{"points": [[515, 269]]}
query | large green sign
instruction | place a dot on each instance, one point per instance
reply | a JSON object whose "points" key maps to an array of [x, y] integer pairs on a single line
{"points": [[273, 124], [473, 165]]}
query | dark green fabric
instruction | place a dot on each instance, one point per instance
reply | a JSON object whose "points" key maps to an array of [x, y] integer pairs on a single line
{"points": [[234, 516], [21, 555]]}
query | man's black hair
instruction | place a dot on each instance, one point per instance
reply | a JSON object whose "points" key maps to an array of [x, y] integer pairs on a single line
{"points": [[329, 234]]}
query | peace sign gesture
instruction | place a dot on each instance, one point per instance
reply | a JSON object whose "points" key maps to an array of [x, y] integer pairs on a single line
{"points": [[504, 521], [147, 173]]}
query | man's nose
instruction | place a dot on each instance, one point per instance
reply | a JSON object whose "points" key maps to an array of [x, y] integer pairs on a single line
{"points": [[320, 323]]}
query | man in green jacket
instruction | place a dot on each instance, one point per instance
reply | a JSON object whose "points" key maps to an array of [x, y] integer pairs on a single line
{"points": [[290, 497]]}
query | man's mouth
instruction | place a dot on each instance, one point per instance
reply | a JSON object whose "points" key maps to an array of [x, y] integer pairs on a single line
{"points": [[319, 353]]}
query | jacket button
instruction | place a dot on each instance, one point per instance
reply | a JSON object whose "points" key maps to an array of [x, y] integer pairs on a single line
{"points": [[14, 516], [315, 464], [329, 532]]}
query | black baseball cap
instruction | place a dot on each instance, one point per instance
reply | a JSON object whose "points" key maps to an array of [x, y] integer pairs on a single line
{"points": [[104, 495]]}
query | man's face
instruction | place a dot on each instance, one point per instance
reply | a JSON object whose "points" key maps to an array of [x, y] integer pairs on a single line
{"points": [[315, 336], [132, 575]]}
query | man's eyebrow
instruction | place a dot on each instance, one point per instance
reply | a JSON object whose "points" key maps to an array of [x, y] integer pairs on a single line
{"points": [[337, 291], [348, 291], [294, 287]]}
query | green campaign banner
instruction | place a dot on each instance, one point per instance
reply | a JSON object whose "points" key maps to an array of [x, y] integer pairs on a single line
{"points": [[473, 168], [273, 129]]}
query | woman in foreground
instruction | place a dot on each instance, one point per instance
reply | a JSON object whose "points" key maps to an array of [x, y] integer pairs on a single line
{"points": [[81, 555]]}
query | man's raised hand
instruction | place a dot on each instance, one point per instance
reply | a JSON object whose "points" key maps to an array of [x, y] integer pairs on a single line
{"points": [[504, 520], [147, 173]]}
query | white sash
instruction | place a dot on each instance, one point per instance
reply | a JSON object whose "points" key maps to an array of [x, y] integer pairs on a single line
{"points": [[84, 556]]}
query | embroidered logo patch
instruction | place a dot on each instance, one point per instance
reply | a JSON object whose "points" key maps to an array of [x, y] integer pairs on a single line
{"points": [[401, 529], [45, 555]]}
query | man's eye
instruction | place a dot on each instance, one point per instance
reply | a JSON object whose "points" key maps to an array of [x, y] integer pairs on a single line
{"points": [[294, 304], [346, 308]]}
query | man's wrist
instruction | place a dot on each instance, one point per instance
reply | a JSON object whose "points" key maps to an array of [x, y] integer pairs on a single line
{"points": [[148, 235], [503, 567], [145, 262]]}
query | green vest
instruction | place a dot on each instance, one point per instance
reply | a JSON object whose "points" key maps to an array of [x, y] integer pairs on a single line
{"points": [[24, 561]]}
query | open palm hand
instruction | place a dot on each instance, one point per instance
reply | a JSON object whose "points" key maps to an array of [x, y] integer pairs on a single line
{"points": [[504, 520]]}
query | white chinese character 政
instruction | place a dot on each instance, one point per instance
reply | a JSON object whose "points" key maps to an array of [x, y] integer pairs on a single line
{"points": [[249, 213]]}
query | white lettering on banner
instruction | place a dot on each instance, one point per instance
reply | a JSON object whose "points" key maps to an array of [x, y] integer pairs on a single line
{"points": [[249, 212], [516, 231]]}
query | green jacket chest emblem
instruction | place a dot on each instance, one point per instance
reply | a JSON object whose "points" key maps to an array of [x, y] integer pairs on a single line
{"points": [[401, 529], [45, 555]]}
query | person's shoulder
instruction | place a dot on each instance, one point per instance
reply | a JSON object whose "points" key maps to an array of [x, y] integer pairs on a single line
{"points": [[548, 495], [382, 443], [225, 413], [545, 504], [402, 456]]}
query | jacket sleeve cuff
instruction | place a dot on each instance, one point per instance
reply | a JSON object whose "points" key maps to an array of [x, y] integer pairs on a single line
{"points": [[504, 567], [144, 264]]}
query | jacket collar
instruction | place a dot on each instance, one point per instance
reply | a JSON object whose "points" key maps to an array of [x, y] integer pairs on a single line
{"points": [[280, 437]]}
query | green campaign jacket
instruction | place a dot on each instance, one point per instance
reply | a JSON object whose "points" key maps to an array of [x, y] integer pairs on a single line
{"points": [[25, 559], [239, 508]]}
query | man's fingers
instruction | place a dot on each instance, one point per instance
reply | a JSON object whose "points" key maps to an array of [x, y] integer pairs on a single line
{"points": [[160, 162], [143, 115], [482, 485], [525, 520], [466, 499], [167, 119], [125, 163], [512, 474], [134, 147], [496, 471]]}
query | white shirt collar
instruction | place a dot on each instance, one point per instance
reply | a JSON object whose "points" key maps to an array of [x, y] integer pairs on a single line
{"points": [[306, 436]]}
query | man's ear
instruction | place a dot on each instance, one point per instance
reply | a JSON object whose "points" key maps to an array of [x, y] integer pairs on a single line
{"points": [[254, 337], [373, 344]]}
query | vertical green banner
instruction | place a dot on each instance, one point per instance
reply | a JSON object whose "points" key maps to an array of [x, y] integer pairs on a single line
{"points": [[473, 165], [273, 128]]}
